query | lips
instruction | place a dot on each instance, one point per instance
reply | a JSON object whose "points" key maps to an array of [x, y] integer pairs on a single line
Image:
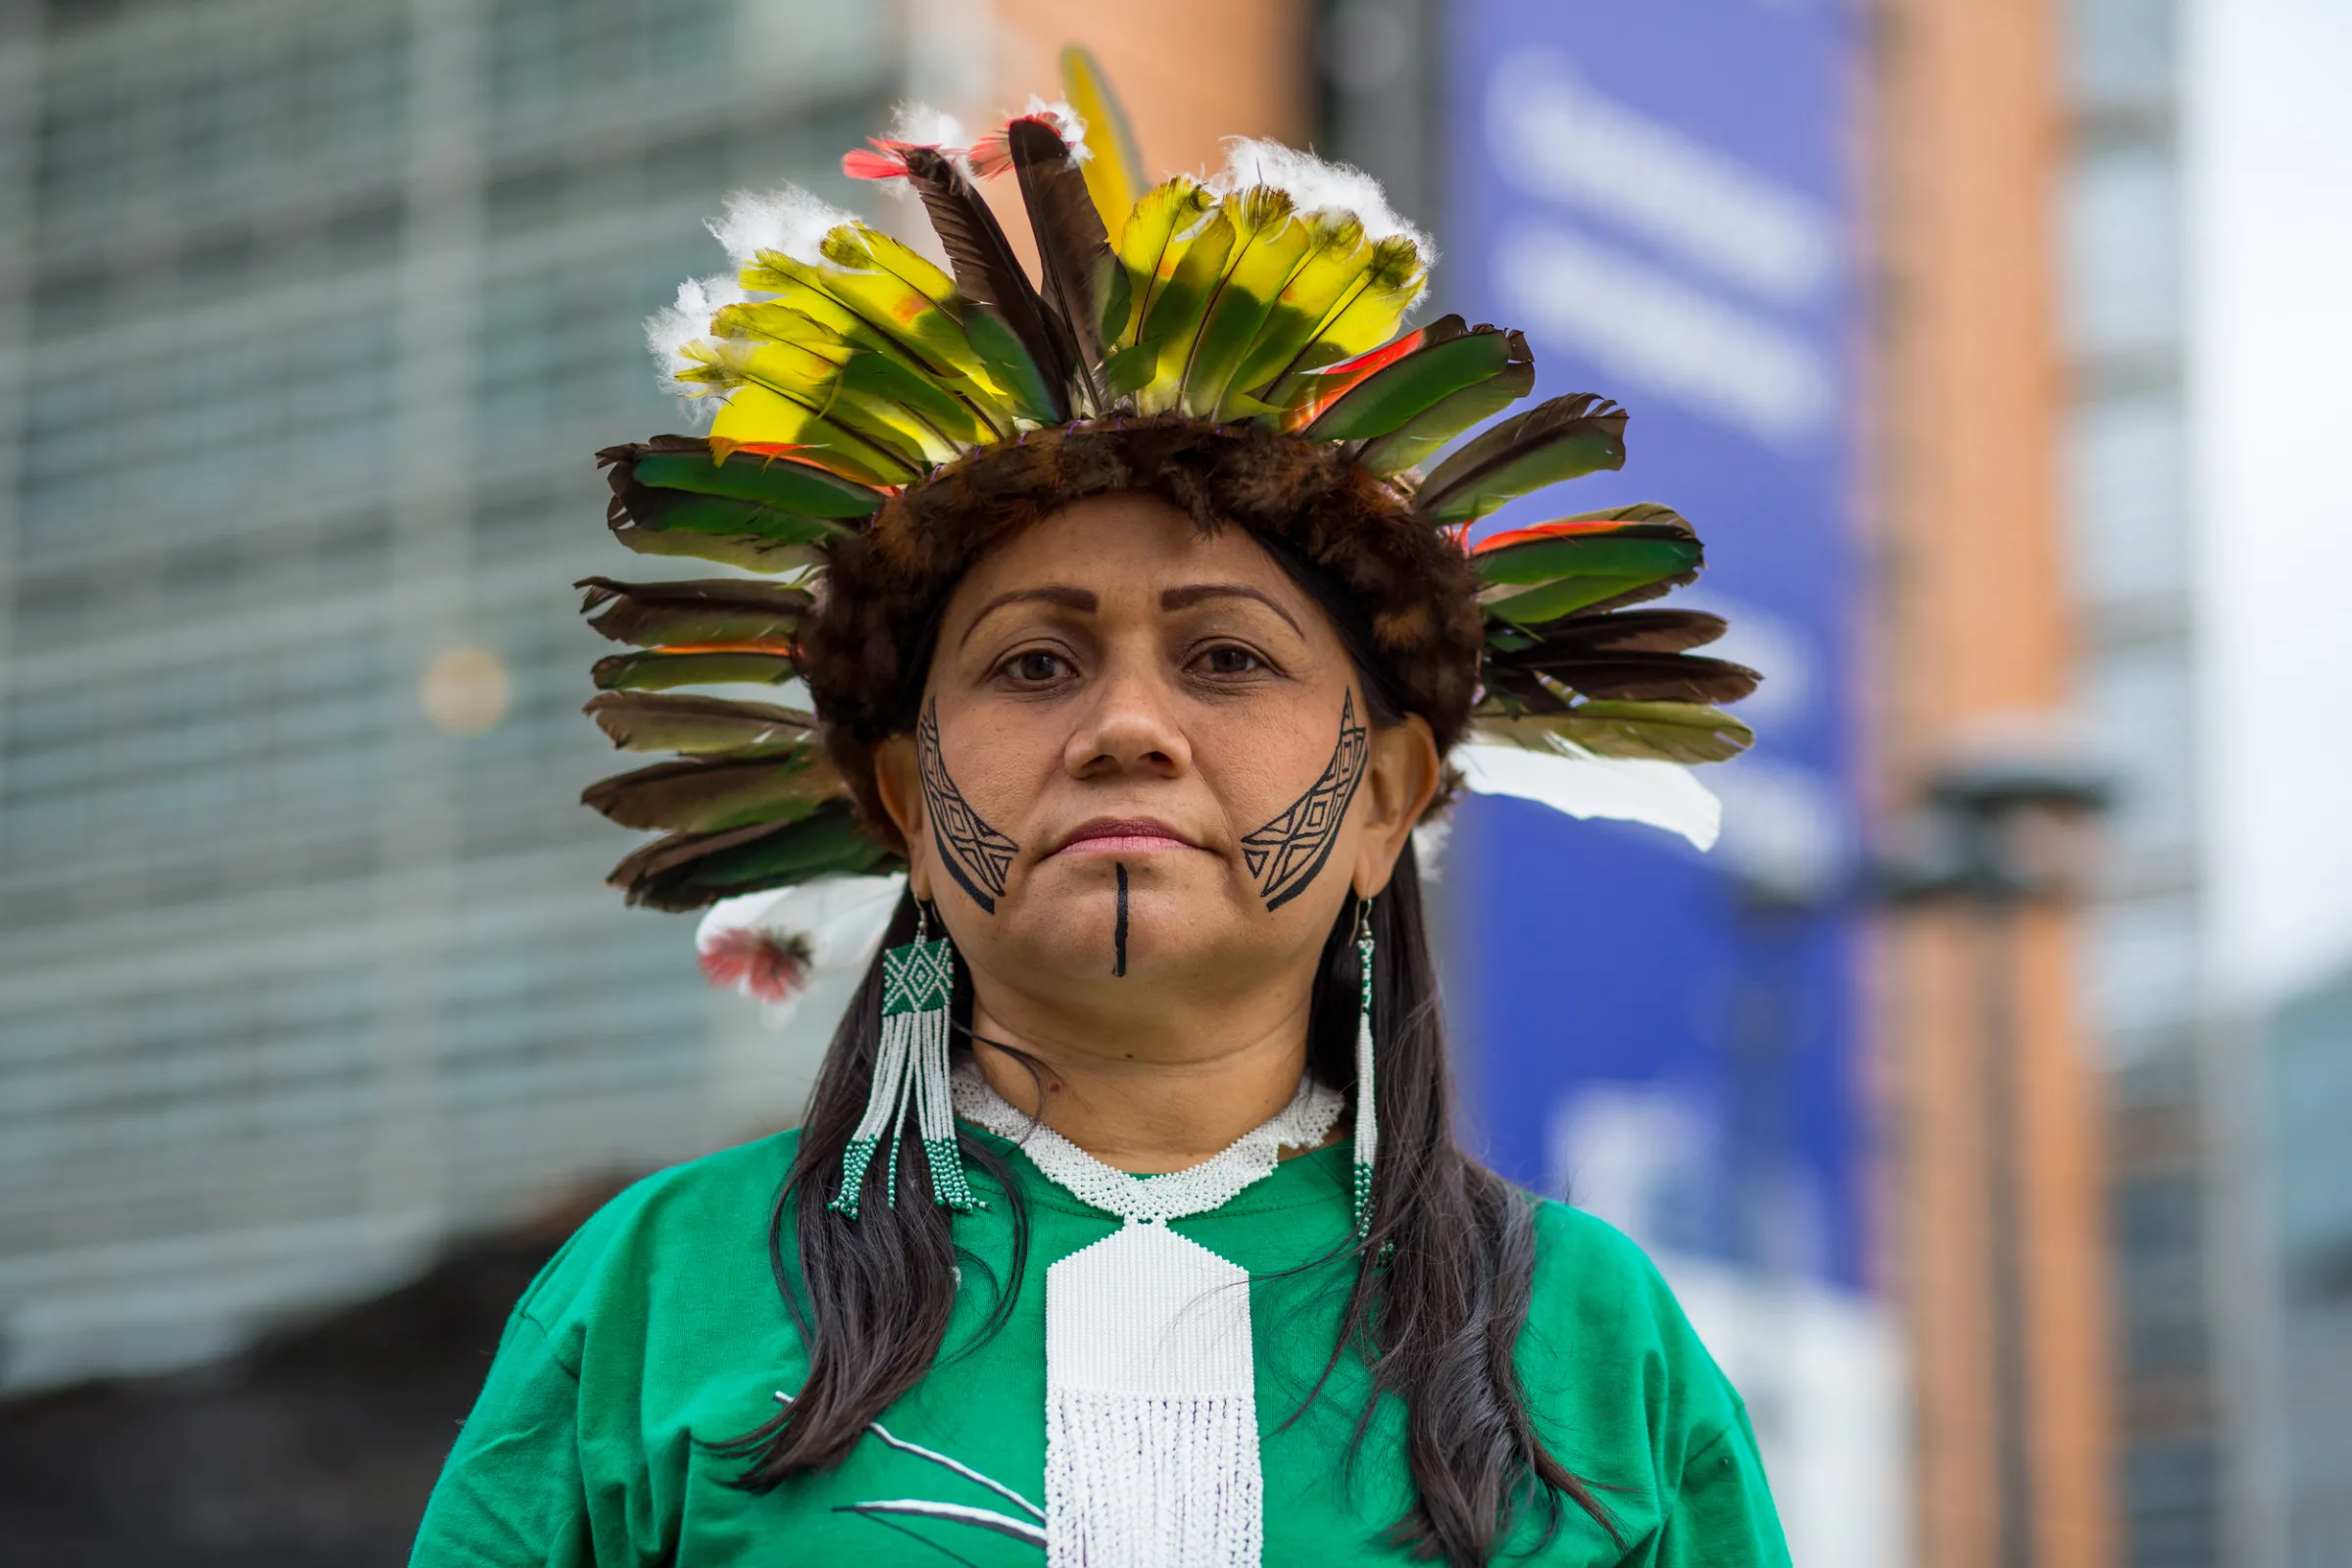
{"points": [[1123, 835]]}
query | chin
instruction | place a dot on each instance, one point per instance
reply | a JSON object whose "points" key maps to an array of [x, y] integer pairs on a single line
{"points": [[1184, 918]]}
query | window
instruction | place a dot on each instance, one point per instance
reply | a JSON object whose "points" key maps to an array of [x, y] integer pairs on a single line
{"points": [[2123, 251], [2142, 968], [2141, 699], [2127, 484]]}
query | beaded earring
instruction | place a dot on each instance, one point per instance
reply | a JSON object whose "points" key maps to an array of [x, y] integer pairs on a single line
{"points": [[1367, 1123], [918, 985]]}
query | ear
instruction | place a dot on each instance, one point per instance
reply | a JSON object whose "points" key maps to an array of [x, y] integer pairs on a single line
{"points": [[1401, 779], [897, 780]]}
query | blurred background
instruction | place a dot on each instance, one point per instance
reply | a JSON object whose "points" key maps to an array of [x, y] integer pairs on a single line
{"points": [[1987, 1093]]}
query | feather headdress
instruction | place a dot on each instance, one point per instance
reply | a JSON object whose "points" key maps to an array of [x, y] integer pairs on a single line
{"points": [[859, 388]]}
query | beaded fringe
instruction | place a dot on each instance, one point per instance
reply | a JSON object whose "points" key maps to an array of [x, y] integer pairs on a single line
{"points": [[1151, 1455], [910, 1067], [1150, 1482], [1367, 1123]]}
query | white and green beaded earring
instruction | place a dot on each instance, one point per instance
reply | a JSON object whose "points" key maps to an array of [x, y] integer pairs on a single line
{"points": [[919, 986], [1367, 1124]]}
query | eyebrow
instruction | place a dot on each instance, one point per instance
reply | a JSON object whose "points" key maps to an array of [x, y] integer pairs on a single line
{"points": [[1186, 598], [1085, 603], [1078, 599]]}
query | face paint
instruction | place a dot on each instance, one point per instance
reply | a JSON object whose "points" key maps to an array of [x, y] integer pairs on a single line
{"points": [[1118, 932], [977, 855], [1287, 853]]}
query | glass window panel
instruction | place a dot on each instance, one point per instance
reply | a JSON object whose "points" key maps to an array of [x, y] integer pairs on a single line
{"points": [[2120, 50], [2141, 702], [2123, 251], [2142, 970], [2127, 490]]}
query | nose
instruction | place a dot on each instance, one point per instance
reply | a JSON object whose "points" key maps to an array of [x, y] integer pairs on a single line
{"points": [[1129, 726]]}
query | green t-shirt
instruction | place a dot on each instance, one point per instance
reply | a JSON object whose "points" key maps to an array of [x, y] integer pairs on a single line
{"points": [[658, 1329]]}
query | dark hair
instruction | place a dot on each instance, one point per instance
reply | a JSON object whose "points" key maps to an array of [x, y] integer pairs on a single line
{"points": [[1440, 1297]]}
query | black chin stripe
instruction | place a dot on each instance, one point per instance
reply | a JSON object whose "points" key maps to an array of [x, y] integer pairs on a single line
{"points": [[1118, 932]]}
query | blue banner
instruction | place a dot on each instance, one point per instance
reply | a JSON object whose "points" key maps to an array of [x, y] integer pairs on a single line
{"points": [[1661, 196]]}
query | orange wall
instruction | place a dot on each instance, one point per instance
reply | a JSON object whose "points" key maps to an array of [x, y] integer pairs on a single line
{"points": [[1976, 626], [1189, 74]]}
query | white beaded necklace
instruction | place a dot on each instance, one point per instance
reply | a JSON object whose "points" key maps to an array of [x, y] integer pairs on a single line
{"points": [[1150, 1380], [1303, 1123]]}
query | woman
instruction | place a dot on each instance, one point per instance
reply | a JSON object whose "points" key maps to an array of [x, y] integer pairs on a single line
{"points": [[1127, 1225]]}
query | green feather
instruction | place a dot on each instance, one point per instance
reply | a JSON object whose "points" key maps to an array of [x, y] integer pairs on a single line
{"points": [[751, 554], [1114, 303], [952, 424], [1150, 246], [1335, 265], [826, 842], [690, 870], [1365, 316], [865, 431], [682, 721], [952, 409], [1268, 244], [1591, 558], [740, 529], [854, 247], [1570, 594], [883, 301], [1174, 316], [772, 482], [684, 511], [1449, 417], [1010, 365], [711, 795], [657, 671], [1396, 394], [671, 614], [760, 415], [1560, 439], [1670, 732], [1630, 550]]}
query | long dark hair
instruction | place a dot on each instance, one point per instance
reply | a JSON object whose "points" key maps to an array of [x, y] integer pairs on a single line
{"points": [[1439, 1296]]}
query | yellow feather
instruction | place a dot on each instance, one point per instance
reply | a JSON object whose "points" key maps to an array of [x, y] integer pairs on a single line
{"points": [[1114, 175]]}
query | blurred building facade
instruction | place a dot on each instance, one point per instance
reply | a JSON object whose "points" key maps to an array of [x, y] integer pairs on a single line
{"points": [[2301, 1114], [311, 320], [2126, 488], [1991, 1092]]}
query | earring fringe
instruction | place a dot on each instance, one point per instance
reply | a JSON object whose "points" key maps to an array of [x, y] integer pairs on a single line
{"points": [[910, 1068], [1367, 1121]]}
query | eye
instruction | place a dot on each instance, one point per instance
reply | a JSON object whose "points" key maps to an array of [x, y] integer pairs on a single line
{"points": [[1230, 659], [1034, 667]]}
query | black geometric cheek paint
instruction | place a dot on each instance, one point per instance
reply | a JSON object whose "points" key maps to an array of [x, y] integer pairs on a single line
{"points": [[1118, 930], [1285, 853], [976, 855]]}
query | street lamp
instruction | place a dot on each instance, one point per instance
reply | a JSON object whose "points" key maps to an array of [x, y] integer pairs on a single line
{"points": [[1994, 834]]}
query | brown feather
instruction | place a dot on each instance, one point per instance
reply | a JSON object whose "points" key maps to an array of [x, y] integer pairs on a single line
{"points": [[690, 870], [1073, 248], [717, 610], [659, 874], [717, 794], [987, 272], [682, 721], [1632, 678], [1632, 631]]}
